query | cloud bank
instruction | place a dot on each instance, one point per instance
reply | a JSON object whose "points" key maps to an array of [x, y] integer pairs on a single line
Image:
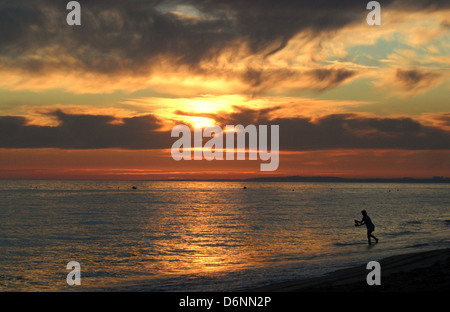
{"points": [[134, 45], [334, 131]]}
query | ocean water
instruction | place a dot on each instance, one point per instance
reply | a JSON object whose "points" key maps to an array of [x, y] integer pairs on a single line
{"points": [[205, 236]]}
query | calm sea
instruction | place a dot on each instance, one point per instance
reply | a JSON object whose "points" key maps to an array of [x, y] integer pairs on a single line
{"points": [[205, 236]]}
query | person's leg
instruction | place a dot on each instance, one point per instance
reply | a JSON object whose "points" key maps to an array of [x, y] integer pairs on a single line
{"points": [[368, 237], [376, 239]]}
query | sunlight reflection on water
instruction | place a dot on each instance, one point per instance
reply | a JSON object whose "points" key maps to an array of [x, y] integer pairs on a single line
{"points": [[163, 232]]}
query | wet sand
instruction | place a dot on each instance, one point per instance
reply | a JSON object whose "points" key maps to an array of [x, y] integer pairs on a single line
{"points": [[414, 272]]}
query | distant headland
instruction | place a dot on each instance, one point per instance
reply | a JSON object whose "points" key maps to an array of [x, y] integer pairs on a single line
{"points": [[351, 180], [325, 179]]}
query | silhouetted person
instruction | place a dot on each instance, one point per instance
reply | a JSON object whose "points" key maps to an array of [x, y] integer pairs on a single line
{"points": [[370, 226]]}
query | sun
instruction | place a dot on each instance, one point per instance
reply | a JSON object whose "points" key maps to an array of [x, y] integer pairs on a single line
{"points": [[198, 122]]}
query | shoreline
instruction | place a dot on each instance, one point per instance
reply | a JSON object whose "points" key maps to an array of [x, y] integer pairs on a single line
{"points": [[412, 272]]}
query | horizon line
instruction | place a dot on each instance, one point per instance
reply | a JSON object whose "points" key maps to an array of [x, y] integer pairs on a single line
{"points": [[295, 178]]}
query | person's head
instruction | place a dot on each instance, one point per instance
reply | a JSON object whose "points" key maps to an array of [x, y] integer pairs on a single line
{"points": [[364, 213]]}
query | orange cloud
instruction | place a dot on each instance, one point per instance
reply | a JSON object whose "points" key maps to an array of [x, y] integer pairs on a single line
{"points": [[183, 109], [410, 82]]}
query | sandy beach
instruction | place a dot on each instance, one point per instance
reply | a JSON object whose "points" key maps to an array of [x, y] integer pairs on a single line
{"points": [[414, 272]]}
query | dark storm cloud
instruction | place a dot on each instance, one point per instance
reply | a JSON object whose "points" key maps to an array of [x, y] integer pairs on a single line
{"points": [[296, 134], [135, 38], [117, 36], [83, 132], [266, 23], [414, 5], [351, 131]]}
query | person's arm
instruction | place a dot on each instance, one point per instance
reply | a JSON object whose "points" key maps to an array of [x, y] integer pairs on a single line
{"points": [[362, 222]]}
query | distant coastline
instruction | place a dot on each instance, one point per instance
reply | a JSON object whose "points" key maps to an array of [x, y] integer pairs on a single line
{"points": [[325, 179], [351, 180]]}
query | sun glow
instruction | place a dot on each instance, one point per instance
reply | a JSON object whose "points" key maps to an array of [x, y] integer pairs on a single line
{"points": [[198, 122]]}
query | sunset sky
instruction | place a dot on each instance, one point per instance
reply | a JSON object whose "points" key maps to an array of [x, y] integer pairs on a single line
{"points": [[98, 101]]}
